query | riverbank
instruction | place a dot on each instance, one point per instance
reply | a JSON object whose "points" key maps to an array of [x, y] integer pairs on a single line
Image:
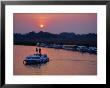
{"points": [[31, 38], [83, 49]]}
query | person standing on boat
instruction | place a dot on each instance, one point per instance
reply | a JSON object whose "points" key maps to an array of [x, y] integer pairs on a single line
{"points": [[36, 50], [40, 51]]}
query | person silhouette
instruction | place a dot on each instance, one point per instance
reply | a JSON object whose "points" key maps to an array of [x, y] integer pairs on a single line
{"points": [[37, 50], [40, 51]]}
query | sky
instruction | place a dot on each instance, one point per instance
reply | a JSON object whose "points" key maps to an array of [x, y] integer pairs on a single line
{"points": [[79, 23]]}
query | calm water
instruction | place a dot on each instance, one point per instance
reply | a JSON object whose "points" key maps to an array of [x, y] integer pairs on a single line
{"points": [[62, 62]]}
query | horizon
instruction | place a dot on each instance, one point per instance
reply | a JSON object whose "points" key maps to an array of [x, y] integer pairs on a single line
{"points": [[54, 33], [55, 23]]}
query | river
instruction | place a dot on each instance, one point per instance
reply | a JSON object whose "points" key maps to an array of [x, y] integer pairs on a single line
{"points": [[62, 62]]}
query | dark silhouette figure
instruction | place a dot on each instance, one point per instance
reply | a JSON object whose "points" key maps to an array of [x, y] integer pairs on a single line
{"points": [[39, 50], [36, 50]]}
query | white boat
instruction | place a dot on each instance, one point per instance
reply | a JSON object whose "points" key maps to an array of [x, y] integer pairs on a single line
{"points": [[35, 59]]}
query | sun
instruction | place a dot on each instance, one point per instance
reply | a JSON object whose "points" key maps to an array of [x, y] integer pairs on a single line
{"points": [[41, 26]]}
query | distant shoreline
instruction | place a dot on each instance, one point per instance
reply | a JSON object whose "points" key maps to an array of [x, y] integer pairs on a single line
{"points": [[32, 38], [83, 49], [24, 44]]}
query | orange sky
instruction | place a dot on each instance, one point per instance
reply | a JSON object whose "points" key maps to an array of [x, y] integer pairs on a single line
{"points": [[55, 23]]}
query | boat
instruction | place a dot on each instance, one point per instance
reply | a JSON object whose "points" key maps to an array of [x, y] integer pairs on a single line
{"points": [[36, 59], [82, 48]]}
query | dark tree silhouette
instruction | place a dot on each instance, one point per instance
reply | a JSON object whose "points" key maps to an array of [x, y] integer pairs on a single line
{"points": [[32, 38]]}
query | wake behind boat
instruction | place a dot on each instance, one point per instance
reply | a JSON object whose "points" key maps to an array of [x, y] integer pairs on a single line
{"points": [[35, 59]]}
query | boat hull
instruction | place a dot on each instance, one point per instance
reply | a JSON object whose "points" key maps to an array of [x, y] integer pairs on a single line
{"points": [[34, 60]]}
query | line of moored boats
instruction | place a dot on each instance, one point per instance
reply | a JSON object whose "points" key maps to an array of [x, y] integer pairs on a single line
{"points": [[91, 50]]}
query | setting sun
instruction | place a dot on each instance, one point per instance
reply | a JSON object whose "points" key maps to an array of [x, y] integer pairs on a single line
{"points": [[41, 26]]}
